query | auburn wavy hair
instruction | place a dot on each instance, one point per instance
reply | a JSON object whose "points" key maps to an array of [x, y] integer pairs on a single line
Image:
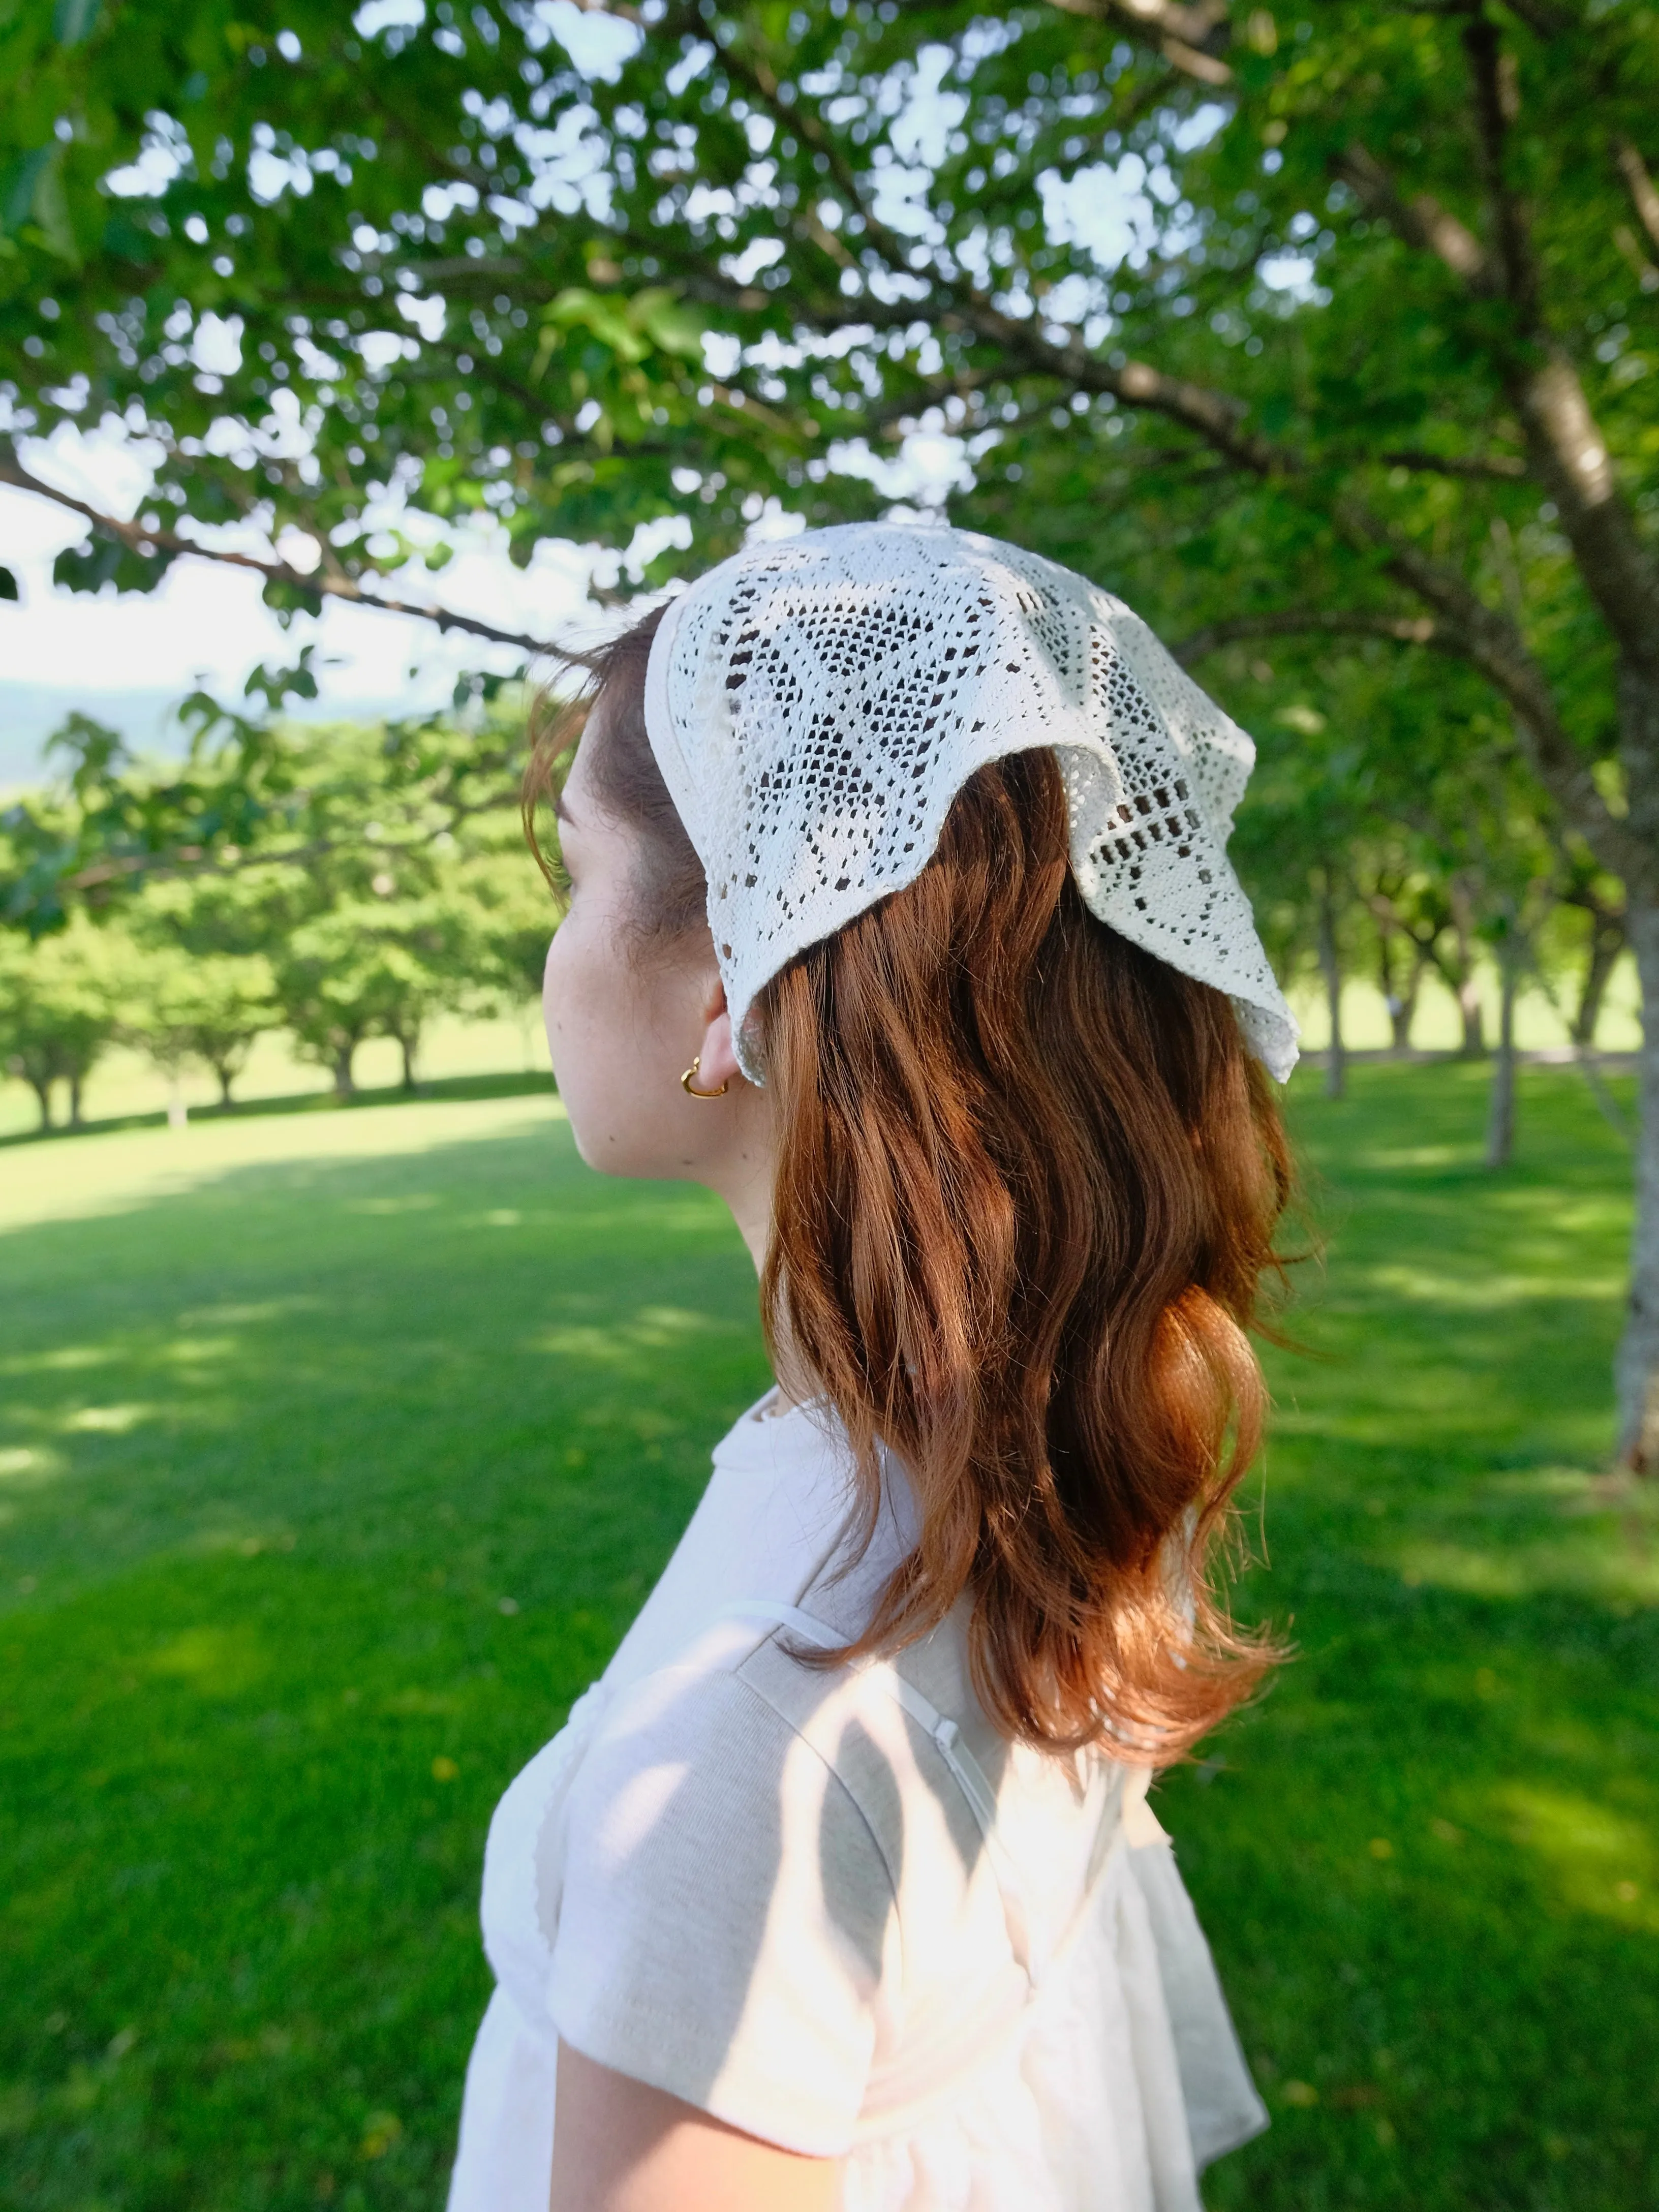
{"points": [[1028, 1181]]}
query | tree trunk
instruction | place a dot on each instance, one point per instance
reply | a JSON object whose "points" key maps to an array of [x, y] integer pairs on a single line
{"points": [[43, 1092], [227, 1075], [1500, 1120], [345, 1085], [75, 1083], [1636, 1370], [1388, 969], [1474, 1022], [1402, 1007], [408, 1046], [1468, 982], [1336, 1059], [1606, 943]]}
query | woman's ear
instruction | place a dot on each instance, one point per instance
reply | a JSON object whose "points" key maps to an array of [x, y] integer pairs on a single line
{"points": [[717, 1060]]}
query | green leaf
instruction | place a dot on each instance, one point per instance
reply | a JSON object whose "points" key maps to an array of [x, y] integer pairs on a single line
{"points": [[603, 313], [18, 181], [288, 599], [51, 212], [75, 20], [109, 559], [671, 326]]}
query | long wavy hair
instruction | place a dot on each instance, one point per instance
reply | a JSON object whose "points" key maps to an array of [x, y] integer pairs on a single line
{"points": [[1027, 1185]]}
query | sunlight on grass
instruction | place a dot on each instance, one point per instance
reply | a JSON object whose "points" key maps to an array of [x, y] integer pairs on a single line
{"points": [[114, 1172], [60, 1359], [1598, 1861], [1435, 1287], [1529, 1570], [28, 1463], [105, 1420], [220, 1662], [650, 1330]]}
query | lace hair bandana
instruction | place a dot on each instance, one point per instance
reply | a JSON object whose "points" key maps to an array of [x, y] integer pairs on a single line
{"points": [[815, 704]]}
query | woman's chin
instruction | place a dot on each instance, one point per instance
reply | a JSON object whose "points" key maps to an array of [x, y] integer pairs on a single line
{"points": [[611, 1151]]}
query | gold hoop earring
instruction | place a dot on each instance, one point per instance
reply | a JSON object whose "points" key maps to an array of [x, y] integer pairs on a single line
{"points": [[689, 1083]]}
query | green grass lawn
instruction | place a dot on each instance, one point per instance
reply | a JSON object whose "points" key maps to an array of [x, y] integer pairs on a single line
{"points": [[336, 1451]]}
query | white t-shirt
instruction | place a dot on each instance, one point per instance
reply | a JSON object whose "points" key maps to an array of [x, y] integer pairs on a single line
{"points": [[767, 1887]]}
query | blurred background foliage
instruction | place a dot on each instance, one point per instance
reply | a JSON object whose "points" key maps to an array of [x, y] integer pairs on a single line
{"points": [[382, 882]]}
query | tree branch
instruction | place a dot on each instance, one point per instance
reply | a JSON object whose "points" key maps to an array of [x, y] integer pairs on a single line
{"points": [[1643, 195], [1630, 247], [1495, 96], [1503, 468], [1492, 645], [1565, 448], [326, 585], [1299, 622], [1215, 416], [1422, 222], [1181, 31]]}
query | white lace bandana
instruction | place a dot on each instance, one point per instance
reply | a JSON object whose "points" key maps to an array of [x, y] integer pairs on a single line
{"points": [[816, 703]]}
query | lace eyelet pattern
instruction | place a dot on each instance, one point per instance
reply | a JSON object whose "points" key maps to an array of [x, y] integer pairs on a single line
{"points": [[816, 703]]}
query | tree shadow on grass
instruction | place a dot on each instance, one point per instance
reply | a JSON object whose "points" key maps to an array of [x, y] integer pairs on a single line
{"points": [[528, 1083], [347, 1342]]}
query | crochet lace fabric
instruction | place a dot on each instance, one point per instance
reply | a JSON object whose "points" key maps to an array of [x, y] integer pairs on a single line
{"points": [[815, 705]]}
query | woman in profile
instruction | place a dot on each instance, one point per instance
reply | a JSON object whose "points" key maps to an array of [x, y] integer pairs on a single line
{"points": [[899, 916]]}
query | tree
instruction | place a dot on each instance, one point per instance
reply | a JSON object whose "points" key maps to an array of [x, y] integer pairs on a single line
{"points": [[384, 877], [1365, 358], [199, 1009], [1601, 901], [58, 1013], [1393, 890], [1516, 874], [329, 989], [205, 976]]}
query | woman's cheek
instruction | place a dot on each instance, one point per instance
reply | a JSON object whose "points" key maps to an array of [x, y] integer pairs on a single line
{"points": [[561, 1005], [579, 1005]]}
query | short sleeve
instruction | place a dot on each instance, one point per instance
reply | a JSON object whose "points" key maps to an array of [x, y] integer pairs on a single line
{"points": [[727, 1923]]}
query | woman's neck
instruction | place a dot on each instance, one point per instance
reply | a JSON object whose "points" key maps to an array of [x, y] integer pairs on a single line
{"points": [[749, 1200]]}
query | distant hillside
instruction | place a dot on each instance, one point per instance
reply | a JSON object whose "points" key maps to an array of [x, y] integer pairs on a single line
{"points": [[29, 712]]}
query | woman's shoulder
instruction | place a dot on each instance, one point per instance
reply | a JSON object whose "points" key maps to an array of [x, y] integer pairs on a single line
{"points": [[773, 1513], [728, 1923]]}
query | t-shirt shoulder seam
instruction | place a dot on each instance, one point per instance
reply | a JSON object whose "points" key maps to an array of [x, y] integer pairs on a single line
{"points": [[758, 1694]]}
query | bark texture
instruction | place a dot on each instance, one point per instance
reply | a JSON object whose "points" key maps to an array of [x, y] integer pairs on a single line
{"points": [[1606, 943], [1330, 966], [1500, 1120], [1637, 1367]]}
